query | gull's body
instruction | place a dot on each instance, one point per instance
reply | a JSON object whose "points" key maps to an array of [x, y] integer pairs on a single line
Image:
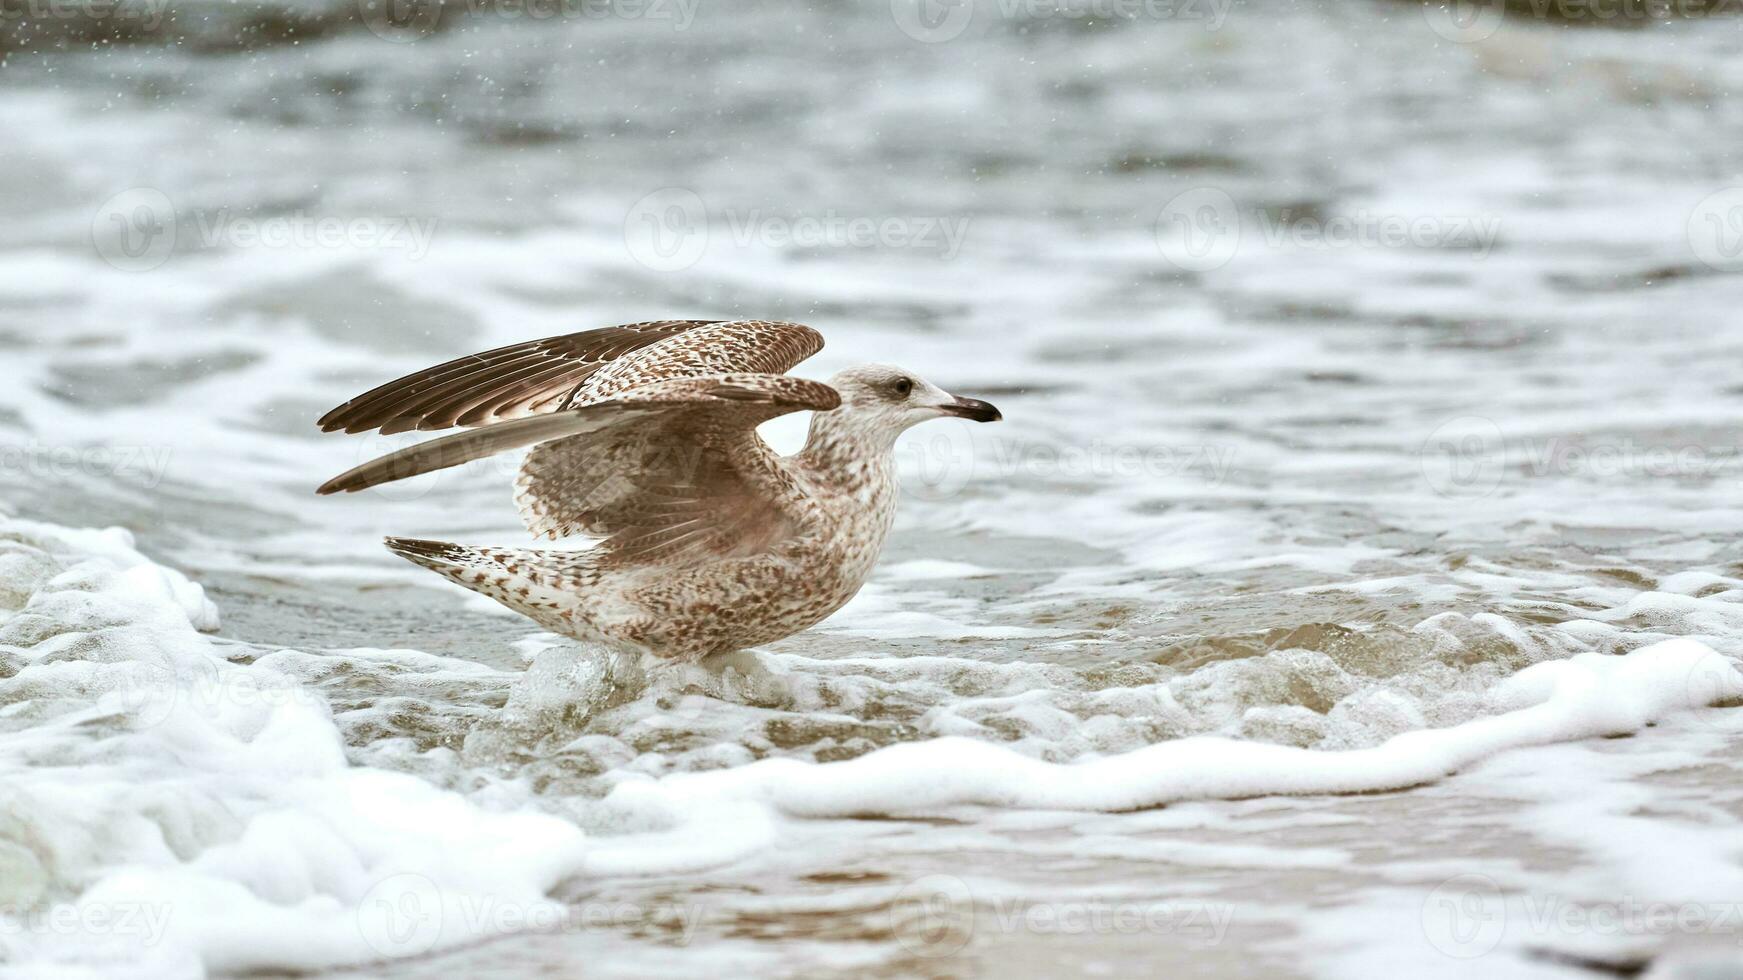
{"points": [[645, 436]]}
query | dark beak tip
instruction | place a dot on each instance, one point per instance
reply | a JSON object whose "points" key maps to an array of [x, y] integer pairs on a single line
{"points": [[976, 410]]}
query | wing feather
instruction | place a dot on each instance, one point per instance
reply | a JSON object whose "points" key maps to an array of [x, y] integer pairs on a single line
{"points": [[464, 447], [644, 434], [447, 403], [508, 382], [696, 480], [570, 486]]}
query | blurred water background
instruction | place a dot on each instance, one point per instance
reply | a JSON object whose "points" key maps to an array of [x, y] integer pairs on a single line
{"points": [[1354, 356]]}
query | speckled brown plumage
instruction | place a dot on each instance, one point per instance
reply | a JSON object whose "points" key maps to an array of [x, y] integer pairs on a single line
{"points": [[644, 436]]}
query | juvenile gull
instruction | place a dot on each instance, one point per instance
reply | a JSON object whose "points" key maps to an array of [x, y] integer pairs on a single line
{"points": [[644, 436]]}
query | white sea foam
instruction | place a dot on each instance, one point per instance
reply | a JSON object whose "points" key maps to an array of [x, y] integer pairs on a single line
{"points": [[204, 812], [210, 819], [1587, 696]]}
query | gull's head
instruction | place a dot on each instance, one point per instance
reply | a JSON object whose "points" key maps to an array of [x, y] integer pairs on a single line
{"points": [[881, 400]]}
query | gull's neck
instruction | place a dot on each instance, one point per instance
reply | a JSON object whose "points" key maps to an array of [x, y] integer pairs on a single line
{"points": [[848, 457], [851, 473]]}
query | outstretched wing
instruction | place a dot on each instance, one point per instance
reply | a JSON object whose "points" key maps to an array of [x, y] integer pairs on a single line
{"points": [[505, 383], [675, 473], [561, 481]]}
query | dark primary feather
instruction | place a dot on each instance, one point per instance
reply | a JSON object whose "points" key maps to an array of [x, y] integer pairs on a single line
{"points": [[464, 447], [644, 435], [505, 383], [752, 400]]}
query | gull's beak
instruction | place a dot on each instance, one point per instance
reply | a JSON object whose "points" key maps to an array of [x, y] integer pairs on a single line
{"points": [[972, 408]]}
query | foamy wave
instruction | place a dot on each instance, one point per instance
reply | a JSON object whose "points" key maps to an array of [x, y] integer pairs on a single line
{"points": [[1588, 696], [166, 812], [169, 812]]}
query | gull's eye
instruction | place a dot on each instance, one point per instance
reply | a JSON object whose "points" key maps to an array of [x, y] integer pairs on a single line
{"points": [[903, 387]]}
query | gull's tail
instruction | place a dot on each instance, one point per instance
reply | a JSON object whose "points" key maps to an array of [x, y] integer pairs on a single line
{"points": [[551, 587]]}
